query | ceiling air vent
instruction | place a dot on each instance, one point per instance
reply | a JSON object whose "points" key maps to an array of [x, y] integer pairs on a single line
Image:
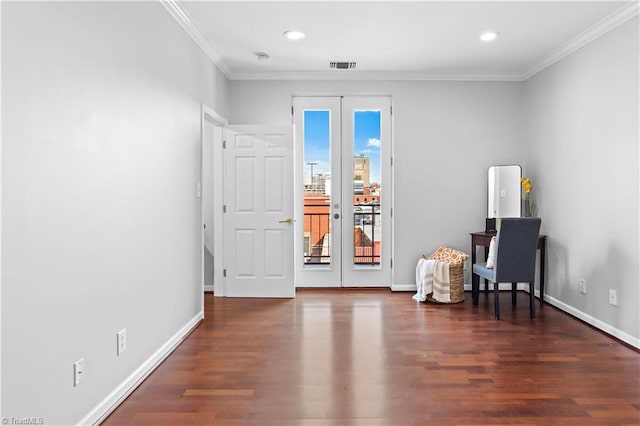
{"points": [[342, 65]]}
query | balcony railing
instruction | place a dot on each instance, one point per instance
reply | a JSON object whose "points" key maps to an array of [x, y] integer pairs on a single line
{"points": [[366, 221], [366, 234], [317, 229]]}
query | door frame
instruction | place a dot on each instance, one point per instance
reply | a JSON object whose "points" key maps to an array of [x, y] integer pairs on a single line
{"points": [[209, 115]]}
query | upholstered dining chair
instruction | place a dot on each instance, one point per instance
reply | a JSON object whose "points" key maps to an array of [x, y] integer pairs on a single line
{"points": [[515, 262]]}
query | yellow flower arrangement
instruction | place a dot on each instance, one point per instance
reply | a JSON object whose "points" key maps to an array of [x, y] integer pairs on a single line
{"points": [[529, 205]]}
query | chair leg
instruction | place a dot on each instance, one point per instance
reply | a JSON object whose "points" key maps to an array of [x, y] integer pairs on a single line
{"points": [[514, 287], [496, 299], [475, 288], [532, 299]]}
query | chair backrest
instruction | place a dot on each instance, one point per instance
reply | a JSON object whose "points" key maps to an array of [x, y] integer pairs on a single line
{"points": [[517, 244]]}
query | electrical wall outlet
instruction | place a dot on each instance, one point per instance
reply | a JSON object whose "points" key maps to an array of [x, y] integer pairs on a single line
{"points": [[122, 341], [583, 286], [613, 297], [78, 372]]}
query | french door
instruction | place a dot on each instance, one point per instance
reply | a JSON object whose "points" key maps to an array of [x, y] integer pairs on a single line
{"points": [[343, 191]]}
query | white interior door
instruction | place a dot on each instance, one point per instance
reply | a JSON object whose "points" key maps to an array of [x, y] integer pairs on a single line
{"points": [[343, 192], [258, 218]]}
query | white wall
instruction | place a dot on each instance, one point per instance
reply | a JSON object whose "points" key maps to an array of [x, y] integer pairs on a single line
{"points": [[446, 135], [582, 126], [101, 230]]}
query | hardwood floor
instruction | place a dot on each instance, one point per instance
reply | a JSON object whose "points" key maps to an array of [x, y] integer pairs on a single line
{"points": [[373, 358]]}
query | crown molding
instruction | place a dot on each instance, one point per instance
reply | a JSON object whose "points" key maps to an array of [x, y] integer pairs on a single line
{"points": [[374, 75], [194, 32], [612, 21]]}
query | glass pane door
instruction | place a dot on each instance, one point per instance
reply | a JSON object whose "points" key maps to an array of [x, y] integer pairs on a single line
{"points": [[366, 147], [318, 254], [343, 191]]}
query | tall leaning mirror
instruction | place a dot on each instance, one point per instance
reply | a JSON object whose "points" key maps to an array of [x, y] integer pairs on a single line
{"points": [[504, 191]]}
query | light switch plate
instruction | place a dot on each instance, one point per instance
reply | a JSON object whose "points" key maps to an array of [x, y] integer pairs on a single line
{"points": [[122, 341], [78, 371]]}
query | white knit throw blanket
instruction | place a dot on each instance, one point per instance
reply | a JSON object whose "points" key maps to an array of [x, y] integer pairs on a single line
{"points": [[432, 277]]}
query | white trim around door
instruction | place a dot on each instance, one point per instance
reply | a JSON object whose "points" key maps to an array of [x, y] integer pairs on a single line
{"points": [[212, 128]]}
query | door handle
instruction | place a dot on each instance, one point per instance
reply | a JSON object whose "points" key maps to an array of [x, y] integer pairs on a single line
{"points": [[336, 216], [287, 220]]}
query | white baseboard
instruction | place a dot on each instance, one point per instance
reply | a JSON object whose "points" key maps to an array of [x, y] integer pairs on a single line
{"points": [[124, 389], [618, 334], [403, 287], [208, 288]]}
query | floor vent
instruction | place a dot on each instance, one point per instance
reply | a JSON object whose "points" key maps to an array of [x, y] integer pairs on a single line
{"points": [[342, 65]]}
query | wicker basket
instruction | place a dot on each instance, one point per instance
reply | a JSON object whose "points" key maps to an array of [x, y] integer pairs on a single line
{"points": [[456, 284]]}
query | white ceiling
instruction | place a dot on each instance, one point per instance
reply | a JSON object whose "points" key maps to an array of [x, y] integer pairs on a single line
{"points": [[394, 39]]}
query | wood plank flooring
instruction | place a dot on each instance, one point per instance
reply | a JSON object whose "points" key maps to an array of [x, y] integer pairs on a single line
{"points": [[376, 358]]}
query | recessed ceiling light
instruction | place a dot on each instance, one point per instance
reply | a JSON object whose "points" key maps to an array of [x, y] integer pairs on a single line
{"points": [[294, 35], [489, 36]]}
